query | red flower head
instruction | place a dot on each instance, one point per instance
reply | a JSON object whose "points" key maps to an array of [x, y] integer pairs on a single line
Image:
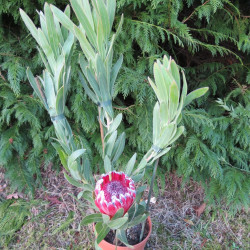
{"points": [[113, 191]]}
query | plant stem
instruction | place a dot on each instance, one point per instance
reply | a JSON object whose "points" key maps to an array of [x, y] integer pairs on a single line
{"points": [[149, 196]]}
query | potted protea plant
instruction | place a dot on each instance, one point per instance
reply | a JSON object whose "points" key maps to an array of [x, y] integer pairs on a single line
{"points": [[118, 207]]}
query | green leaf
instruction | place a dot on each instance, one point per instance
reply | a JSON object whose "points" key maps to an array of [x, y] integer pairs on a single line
{"points": [[73, 181], [75, 155], [111, 6], [110, 143], [30, 25], [195, 94], [161, 85], [115, 224], [88, 91], [119, 147], [37, 87], [115, 124], [91, 219], [63, 157], [52, 33], [156, 122], [173, 100], [83, 19], [114, 73], [175, 72], [166, 134], [138, 219], [121, 235], [88, 187], [87, 173], [130, 165], [60, 101], [163, 152], [63, 18], [102, 233], [107, 164], [178, 133], [118, 214], [102, 11], [138, 177], [85, 45], [164, 113], [141, 166]]}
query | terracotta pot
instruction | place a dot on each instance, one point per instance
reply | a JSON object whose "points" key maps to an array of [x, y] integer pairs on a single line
{"points": [[140, 246]]}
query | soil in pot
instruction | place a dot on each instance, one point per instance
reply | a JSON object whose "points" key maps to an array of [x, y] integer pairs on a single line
{"points": [[133, 235]]}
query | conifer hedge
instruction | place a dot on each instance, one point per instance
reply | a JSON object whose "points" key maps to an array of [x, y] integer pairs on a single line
{"points": [[208, 39]]}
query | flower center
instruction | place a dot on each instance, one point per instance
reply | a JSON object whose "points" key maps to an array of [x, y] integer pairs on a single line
{"points": [[113, 188]]}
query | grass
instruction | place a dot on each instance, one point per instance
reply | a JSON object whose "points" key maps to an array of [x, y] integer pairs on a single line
{"points": [[52, 220]]}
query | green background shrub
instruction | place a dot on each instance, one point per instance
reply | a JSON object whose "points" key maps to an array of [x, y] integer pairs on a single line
{"points": [[208, 39]]}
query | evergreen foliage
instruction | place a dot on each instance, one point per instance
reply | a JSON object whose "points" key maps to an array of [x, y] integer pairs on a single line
{"points": [[208, 39]]}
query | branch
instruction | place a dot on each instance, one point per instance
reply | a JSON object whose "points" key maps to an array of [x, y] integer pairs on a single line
{"points": [[194, 12]]}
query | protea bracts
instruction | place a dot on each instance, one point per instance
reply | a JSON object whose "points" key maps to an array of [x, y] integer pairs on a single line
{"points": [[113, 191]]}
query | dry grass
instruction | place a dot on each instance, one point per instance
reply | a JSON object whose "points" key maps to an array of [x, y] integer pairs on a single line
{"points": [[54, 223]]}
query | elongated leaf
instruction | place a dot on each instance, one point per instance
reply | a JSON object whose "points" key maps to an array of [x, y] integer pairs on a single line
{"points": [[114, 73], [156, 122], [121, 235], [91, 219], [160, 83], [62, 155], [173, 100], [85, 45], [73, 181], [83, 19], [119, 147], [163, 152], [105, 218], [107, 164], [110, 143], [175, 73], [87, 172], [63, 18], [30, 25], [141, 166], [164, 113], [178, 133], [75, 155], [52, 33], [138, 219], [49, 91], [118, 214], [166, 134], [115, 124], [60, 101], [88, 91], [111, 6], [138, 177], [37, 88], [115, 224], [130, 165], [93, 83], [195, 94], [102, 11], [102, 234], [47, 49]]}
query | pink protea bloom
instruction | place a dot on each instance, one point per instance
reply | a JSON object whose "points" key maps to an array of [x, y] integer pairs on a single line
{"points": [[113, 191]]}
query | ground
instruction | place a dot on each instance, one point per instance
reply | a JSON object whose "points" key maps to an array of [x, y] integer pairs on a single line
{"points": [[181, 219]]}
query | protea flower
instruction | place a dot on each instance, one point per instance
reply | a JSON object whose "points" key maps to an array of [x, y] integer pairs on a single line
{"points": [[113, 191]]}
